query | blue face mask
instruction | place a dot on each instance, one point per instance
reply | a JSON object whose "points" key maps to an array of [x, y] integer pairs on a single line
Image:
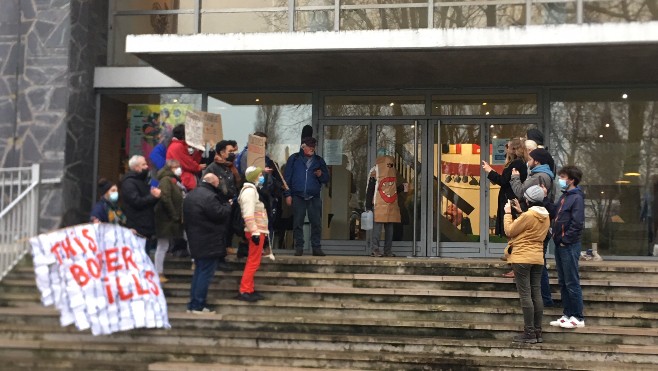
{"points": [[563, 183], [114, 197], [261, 180]]}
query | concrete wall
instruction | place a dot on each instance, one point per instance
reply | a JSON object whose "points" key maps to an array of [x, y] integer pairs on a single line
{"points": [[48, 50]]}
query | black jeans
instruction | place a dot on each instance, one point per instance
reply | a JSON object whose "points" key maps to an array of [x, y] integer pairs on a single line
{"points": [[300, 207], [528, 283]]}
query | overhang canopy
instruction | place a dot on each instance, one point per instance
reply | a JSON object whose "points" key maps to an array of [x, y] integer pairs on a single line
{"points": [[610, 53]]}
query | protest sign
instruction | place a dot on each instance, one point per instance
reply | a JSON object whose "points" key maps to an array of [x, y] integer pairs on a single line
{"points": [[256, 151], [98, 276], [203, 128]]}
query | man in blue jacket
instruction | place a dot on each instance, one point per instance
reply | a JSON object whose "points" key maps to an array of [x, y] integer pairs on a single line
{"points": [[305, 174], [568, 215]]}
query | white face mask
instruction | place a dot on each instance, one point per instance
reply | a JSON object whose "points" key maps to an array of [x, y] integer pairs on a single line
{"points": [[190, 150], [178, 171]]}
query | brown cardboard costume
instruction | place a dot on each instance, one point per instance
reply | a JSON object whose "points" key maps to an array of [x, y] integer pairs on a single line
{"points": [[386, 208]]}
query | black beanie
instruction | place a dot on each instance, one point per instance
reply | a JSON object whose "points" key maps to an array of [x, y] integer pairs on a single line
{"points": [[103, 186], [541, 155], [536, 136]]}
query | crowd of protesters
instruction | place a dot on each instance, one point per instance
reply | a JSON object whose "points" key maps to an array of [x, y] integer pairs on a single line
{"points": [[207, 204]]}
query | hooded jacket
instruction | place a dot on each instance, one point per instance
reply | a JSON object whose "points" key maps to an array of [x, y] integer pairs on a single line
{"points": [[138, 204], [253, 210], [526, 236], [568, 217], [177, 150], [539, 175], [299, 174], [169, 211], [229, 178], [206, 216]]}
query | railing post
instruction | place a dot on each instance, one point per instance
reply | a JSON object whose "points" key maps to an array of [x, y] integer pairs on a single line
{"points": [[337, 15], [34, 206], [579, 11]]}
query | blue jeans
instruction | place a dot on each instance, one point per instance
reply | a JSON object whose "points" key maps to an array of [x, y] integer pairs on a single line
{"points": [[566, 261], [204, 270], [300, 207], [545, 284]]}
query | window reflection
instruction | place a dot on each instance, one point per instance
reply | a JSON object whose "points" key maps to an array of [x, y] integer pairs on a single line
{"points": [[613, 140]]}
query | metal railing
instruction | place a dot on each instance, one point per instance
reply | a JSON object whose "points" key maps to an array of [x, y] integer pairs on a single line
{"points": [[19, 193]]}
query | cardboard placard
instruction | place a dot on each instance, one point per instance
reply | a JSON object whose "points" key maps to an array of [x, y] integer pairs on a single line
{"points": [[203, 128], [256, 151]]}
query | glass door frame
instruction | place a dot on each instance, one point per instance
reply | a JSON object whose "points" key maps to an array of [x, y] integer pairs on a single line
{"points": [[419, 248], [483, 248]]}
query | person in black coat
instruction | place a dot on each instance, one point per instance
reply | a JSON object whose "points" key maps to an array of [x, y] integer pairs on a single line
{"points": [[206, 214], [139, 200], [515, 160]]}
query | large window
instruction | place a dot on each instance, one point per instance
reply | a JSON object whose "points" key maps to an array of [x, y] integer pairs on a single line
{"points": [[612, 135]]}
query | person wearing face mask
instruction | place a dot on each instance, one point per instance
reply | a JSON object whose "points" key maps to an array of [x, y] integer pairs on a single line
{"points": [[107, 210], [256, 229], [186, 156], [168, 212], [206, 215], [568, 216], [139, 200]]}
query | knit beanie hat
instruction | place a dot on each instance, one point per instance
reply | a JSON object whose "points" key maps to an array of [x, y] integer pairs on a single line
{"points": [[103, 186], [541, 155], [252, 173], [534, 194]]}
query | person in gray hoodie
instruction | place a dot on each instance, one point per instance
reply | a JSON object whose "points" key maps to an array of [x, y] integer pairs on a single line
{"points": [[539, 174]]}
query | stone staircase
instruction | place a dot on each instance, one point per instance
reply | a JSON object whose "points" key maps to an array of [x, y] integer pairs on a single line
{"points": [[351, 313]]}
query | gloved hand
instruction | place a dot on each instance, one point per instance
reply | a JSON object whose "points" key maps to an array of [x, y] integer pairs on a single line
{"points": [[255, 238]]}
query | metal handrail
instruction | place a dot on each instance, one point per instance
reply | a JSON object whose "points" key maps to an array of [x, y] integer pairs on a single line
{"points": [[18, 199]]}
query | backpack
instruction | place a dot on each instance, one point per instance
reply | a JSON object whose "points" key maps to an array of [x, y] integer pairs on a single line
{"points": [[237, 222]]}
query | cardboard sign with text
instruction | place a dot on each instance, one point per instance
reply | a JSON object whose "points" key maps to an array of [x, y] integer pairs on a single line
{"points": [[256, 151], [203, 128], [98, 276]]}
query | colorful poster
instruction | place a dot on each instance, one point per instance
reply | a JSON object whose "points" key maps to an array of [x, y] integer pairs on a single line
{"points": [[499, 153], [148, 122], [99, 277]]}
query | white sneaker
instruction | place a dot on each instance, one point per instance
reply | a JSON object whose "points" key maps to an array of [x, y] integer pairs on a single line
{"points": [[558, 322], [573, 322], [201, 311]]}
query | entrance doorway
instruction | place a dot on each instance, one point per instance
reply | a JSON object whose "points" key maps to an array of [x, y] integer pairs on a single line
{"points": [[351, 149], [465, 207]]}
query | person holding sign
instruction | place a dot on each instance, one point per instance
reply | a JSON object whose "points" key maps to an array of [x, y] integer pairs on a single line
{"points": [[305, 174], [255, 229], [206, 214], [179, 150]]}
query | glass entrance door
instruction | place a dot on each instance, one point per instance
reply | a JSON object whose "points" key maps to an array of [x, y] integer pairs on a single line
{"points": [[466, 204], [390, 152]]}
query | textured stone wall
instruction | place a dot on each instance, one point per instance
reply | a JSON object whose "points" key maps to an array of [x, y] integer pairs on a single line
{"points": [[48, 49]]}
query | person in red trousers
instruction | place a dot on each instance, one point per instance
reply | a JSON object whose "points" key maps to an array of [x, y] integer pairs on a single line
{"points": [[255, 230]]}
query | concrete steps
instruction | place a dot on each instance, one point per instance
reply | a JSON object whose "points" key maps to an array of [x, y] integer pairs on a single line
{"points": [[353, 314]]}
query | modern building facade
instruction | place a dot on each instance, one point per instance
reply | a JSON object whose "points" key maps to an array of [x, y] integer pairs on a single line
{"points": [[439, 85]]}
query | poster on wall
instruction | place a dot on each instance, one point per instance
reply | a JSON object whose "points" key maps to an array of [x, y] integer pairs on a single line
{"points": [[256, 151], [203, 128], [333, 151], [99, 277], [149, 122], [499, 153]]}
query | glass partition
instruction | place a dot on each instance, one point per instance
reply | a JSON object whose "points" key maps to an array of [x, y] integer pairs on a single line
{"points": [[374, 105], [484, 105], [612, 135]]}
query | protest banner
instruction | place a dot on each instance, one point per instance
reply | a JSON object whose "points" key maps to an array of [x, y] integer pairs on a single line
{"points": [[203, 128], [98, 276], [256, 151]]}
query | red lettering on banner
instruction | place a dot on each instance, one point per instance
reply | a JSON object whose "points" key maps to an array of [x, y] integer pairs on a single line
{"points": [[79, 275], [127, 254], [108, 290], [138, 286], [94, 268], [79, 243], [123, 296], [111, 259], [68, 249], [55, 250], [92, 242], [154, 286]]}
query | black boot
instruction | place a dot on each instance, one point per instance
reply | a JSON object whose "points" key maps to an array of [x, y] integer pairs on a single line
{"points": [[528, 336], [318, 252], [538, 335]]}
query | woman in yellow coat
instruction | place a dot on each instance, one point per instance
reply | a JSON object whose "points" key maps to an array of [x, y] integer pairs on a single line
{"points": [[526, 240]]}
